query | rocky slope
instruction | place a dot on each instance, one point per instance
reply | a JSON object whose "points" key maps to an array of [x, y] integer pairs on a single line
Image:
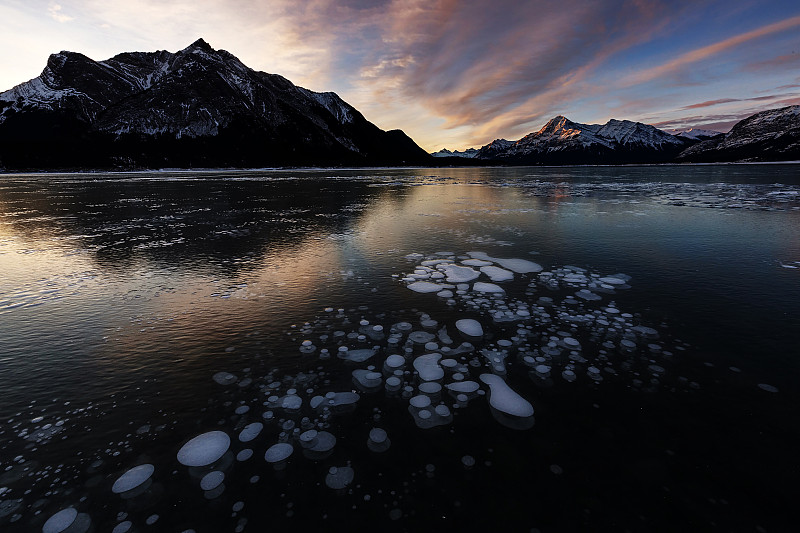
{"points": [[772, 135]]}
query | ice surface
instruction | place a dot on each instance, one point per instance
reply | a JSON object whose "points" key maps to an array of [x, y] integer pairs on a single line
{"points": [[204, 449], [132, 478], [504, 399], [60, 521], [469, 327]]}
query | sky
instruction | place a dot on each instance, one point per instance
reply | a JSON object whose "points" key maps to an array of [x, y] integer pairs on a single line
{"points": [[459, 74]]}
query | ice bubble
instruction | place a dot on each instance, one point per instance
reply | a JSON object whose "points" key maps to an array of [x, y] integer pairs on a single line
{"points": [[497, 273], [133, 478], [504, 399], [469, 327], [424, 414], [394, 361], [356, 356], [278, 452], [463, 387], [204, 449], [320, 447], [459, 274], [60, 521], [421, 337], [476, 262], [367, 380], [442, 410], [481, 286], [122, 527], [378, 440], [520, 266], [428, 367], [393, 383], [430, 388], [251, 431], [767, 387], [291, 402], [445, 294], [224, 378], [468, 461], [339, 477], [426, 286], [212, 480], [244, 455], [421, 401], [242, 409], [612, 280]]}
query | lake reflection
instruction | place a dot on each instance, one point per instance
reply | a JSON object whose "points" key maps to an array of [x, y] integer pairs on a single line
{"points": [[123, 298]]}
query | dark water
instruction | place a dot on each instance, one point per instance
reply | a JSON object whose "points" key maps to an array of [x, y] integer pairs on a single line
{"points": [[122, 296]]}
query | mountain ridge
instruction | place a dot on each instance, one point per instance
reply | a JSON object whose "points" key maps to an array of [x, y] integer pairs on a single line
{"points": [[195, 106]]}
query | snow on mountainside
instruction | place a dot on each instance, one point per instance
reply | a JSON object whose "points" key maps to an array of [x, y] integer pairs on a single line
{"points": [[772, 135], [695, 134], [195, 93], [469, 153], [563, 141]]}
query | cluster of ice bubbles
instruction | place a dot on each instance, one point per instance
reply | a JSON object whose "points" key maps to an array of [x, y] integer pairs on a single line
{"points": [[557, 327]]}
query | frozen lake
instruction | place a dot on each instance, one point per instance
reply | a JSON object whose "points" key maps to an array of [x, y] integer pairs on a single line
{"points": [[400, 349]]}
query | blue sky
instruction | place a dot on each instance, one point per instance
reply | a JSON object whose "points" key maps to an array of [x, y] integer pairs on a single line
{"points": [[459, 73]]}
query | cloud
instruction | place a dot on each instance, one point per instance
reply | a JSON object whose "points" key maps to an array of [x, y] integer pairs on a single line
{"points": [[711, 103], [55, 13], [675, 65]]}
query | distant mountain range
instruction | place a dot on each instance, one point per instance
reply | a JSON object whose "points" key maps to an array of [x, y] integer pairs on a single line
{"points": [[768, 136], [198, 107], [201, 107]]}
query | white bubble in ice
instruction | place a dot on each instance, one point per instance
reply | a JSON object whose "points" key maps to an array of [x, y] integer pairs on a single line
{"points": [[469, 327], [504, 399], [468, 461], [426, 286], [244, 455], [204, 449], [497, 273], [339, 477], [767, 387], [428, 367], [212, 480], [466, 387], [60, 521], [278, 452], [122, 527], [395, 361], [459, 274], [520, 266], [421, 401], [251, 431], [356, 356], [224, 378], [481, 286], [133, 478]]}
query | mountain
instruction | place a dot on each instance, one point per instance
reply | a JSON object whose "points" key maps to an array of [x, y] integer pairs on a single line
{"points": [[469, 153], [562, 141], [772, 135], [695, 134], [198, 107]]}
